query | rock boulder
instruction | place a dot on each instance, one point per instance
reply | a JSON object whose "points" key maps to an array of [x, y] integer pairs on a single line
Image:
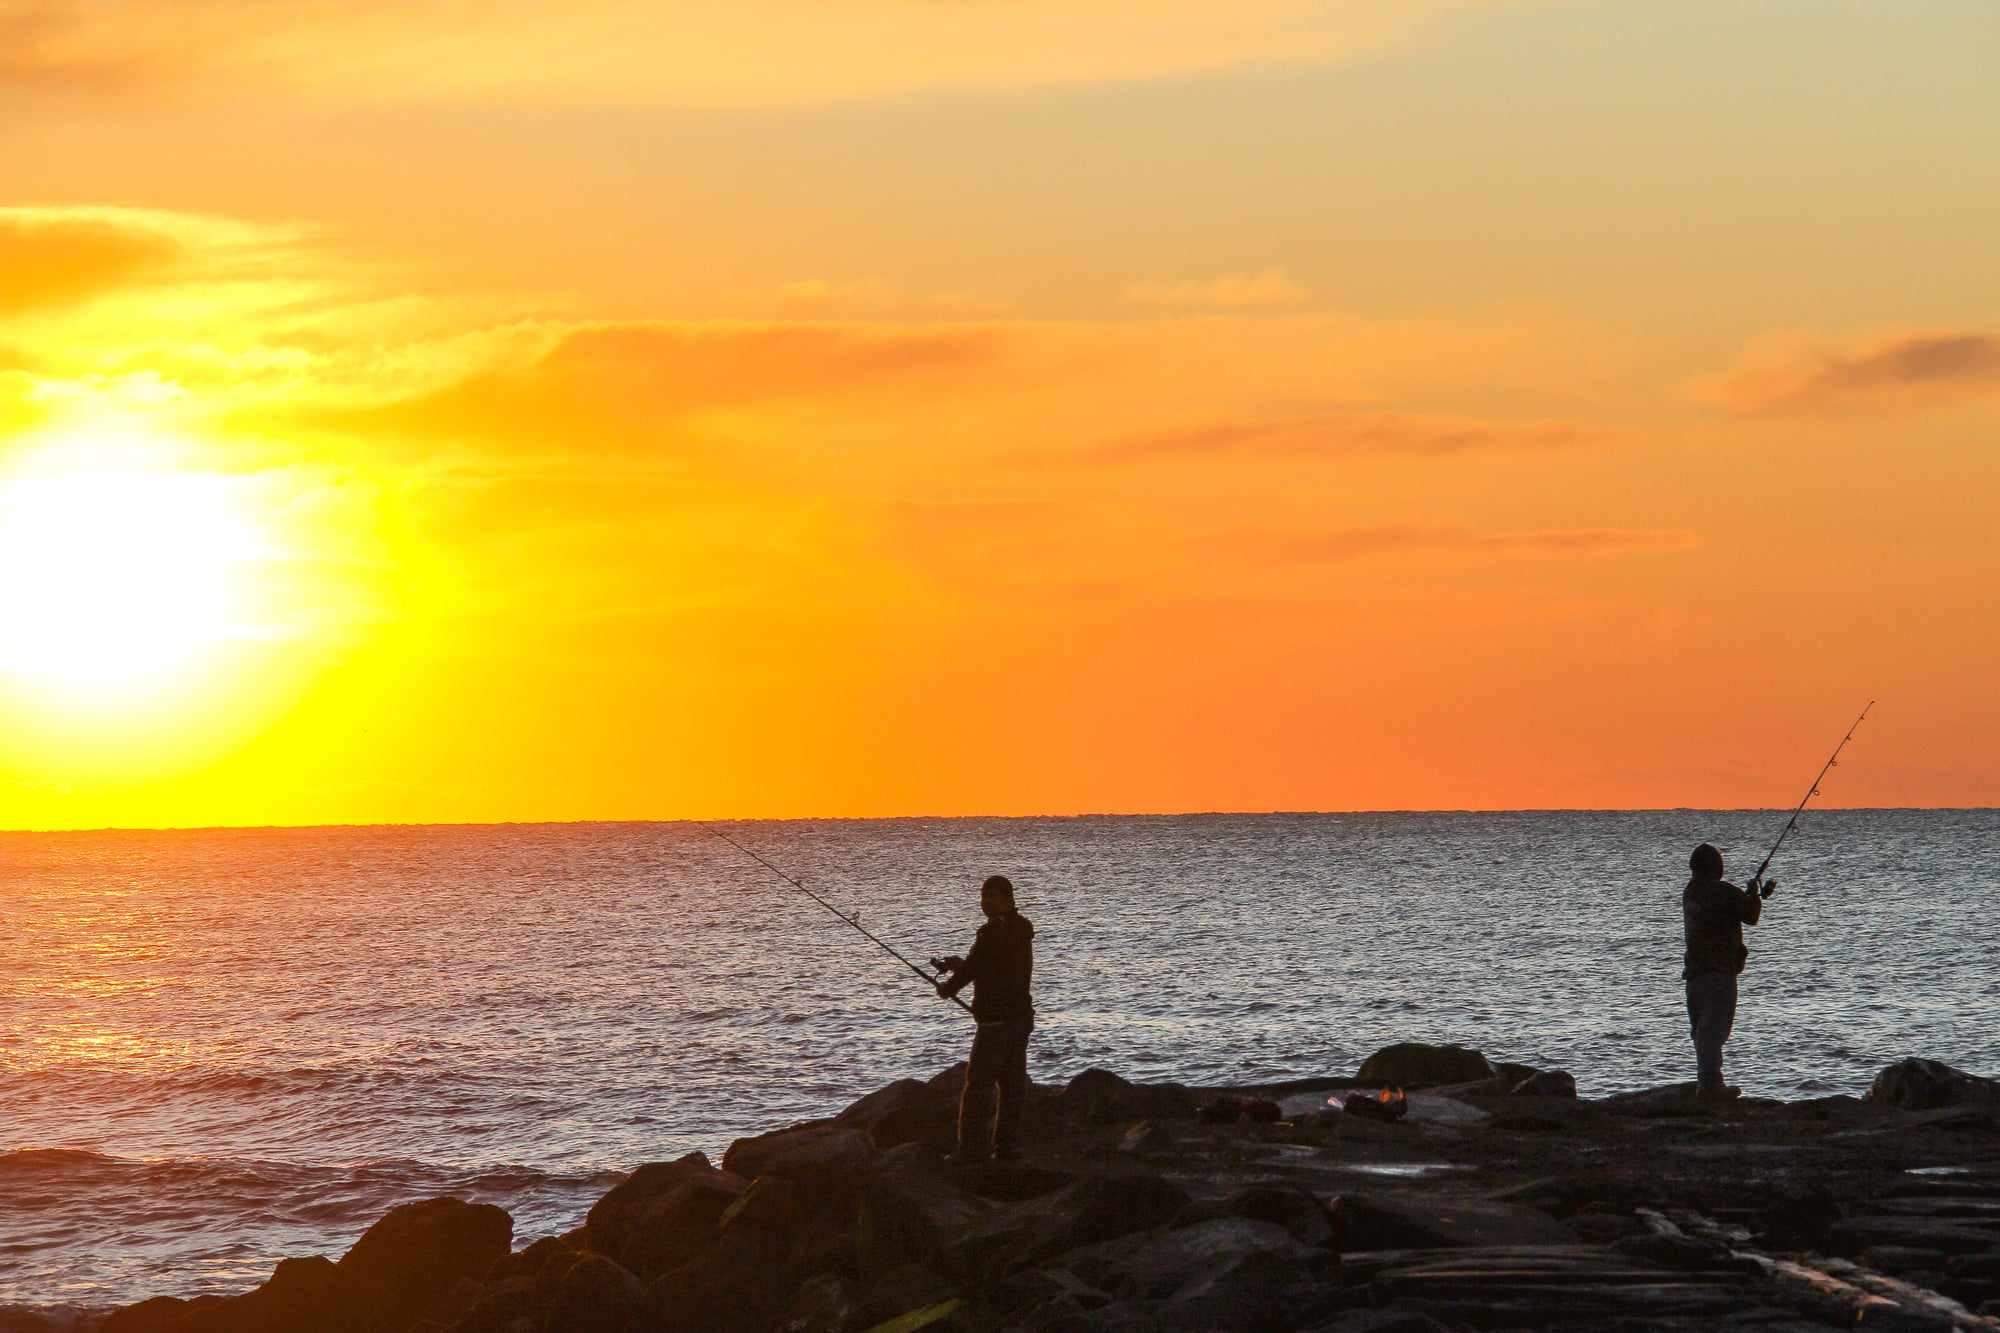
{"points": [[1927, 1085], [1417, 1065], [1100, 1097], [412, 1258], [1434, 1221]]}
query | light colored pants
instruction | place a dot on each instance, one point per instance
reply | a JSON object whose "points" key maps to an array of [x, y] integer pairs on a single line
{"points": [[1711, 1016]]}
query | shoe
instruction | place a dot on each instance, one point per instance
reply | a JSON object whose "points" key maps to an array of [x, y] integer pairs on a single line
{"points": [[1719, 1095], [967, 1157]]}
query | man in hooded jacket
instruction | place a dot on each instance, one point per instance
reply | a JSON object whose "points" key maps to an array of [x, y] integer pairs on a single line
{"points": [[1713, 914]]}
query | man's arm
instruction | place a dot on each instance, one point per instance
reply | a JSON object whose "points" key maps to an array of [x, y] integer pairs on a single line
{"points": [[1749, 904], [967, 971]]}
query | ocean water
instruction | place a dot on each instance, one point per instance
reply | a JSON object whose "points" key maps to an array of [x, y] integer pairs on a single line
{"points": [[219, 1048]]}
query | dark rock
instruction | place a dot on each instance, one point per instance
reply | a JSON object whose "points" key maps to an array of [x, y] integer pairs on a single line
{"points": [[1247, 1292], [1094, 1209], [1801, 1220], [613, 1217], [596, 1296], [1851, 1235], [1418, 1221], [911, 1211], [1603, 1228], [1927, 1085], [1902, 1260], [725, 1293], [1417, 1065], [1687, 1252], [528, 1261], [823, 1304], [679, 1225], [497, 1307], [907, 1111], [1382, 1321], [1670, 1099], [1011, 1182], [1154, 1265], [910, 1287], [412, 1258], [816, 1153], [950, 1083], [1976, 1267], [303, 1296], [1100, 1097], [1548, 1083], [154, 1316], [1553, 1195], [1294, 1209], [1035, 1297]]}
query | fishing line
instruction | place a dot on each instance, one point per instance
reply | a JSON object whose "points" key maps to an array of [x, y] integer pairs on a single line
{"points": [[854, 921], [1811, 792]]}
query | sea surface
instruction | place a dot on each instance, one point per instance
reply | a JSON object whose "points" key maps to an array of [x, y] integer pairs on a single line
{"points": [[219, 1048]]}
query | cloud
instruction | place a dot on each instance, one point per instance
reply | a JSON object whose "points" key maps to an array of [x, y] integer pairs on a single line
{"points": [[1343, 544], [1799, 373], [1269, 289], [53, 257], [1349, 434], [703, 52], [635, 384]]}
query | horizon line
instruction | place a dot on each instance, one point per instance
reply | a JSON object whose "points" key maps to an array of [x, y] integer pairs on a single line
{"points": [[1081, 815]]}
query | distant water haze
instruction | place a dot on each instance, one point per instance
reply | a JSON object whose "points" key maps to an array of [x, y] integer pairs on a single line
{"points": [[218, 1048]]}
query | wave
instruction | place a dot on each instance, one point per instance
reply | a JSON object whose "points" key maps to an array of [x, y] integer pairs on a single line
{"points": [[92, 1228]]}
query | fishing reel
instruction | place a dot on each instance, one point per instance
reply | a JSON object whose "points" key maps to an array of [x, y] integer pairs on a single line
{"points": [[1765, 887], [945, 965]]}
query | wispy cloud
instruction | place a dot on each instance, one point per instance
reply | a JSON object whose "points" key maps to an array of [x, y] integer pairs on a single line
{"points": [[710, 52], [53, 257], [1803, 373], [1270, 289], [633, 384], [1342, 544], [1349, 434]]}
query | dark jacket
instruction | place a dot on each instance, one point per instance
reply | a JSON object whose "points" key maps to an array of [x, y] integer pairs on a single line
{"points": [[999, 967], [1713, 914]]}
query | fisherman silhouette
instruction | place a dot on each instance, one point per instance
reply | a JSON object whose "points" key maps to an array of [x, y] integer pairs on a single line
{"points": [[998, 969], [1713, 914]]}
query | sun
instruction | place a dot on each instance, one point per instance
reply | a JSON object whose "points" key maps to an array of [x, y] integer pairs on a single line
{"points": [[119, 578]]}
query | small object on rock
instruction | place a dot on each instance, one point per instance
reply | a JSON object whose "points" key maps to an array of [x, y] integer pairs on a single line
{"points": [[1138, 1137], [1413, 1064], [1548, 1083], [1390, 1104], [1928, 1085]]}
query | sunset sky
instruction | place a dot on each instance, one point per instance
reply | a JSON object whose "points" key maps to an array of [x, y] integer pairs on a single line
{"points": [[418, 410]]}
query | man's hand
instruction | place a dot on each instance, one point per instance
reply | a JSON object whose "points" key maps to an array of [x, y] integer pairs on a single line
{"points": [[943, 990], [951, 964]]}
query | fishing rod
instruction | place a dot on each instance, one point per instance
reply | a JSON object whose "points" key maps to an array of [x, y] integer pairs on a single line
{"points": [[854, 921], [1770, 888]]}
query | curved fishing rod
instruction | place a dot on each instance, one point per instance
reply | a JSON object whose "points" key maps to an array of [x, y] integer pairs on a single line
{"points": [[854, 921], [1811, 792]]}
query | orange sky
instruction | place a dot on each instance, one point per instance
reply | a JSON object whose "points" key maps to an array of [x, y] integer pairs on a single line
{"points": [[421, 411]]}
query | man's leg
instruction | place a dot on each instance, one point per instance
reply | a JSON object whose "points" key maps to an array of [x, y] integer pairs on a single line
{"points": [[1013, 1086], [982, 1078], [1712, 1002]]}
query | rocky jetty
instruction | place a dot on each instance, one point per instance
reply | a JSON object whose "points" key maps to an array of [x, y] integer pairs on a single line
{"points": [[1494, 1199]]}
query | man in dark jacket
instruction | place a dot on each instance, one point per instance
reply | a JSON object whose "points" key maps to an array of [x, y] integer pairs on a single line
{"points": [[998, 969], [1713, 914]]}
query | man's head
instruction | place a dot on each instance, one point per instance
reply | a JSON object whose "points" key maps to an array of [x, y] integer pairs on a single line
{"points": [[996, 895], [1706, 862]]}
